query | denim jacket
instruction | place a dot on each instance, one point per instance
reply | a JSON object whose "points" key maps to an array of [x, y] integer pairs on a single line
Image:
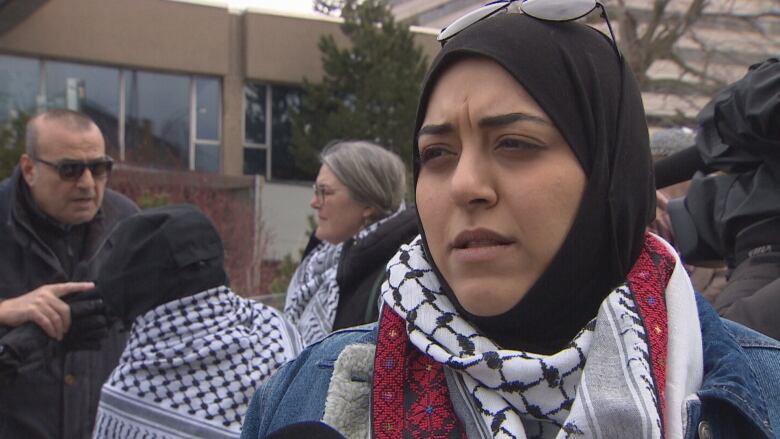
{"points": [[739, 396]]}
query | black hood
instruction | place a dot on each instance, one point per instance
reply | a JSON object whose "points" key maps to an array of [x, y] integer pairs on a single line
{"points": [[160, 255]]}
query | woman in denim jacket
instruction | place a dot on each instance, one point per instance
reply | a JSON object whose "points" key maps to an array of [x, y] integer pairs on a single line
{"points": [[533, 304]]}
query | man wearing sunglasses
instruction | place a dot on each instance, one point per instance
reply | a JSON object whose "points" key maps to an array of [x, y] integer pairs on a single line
{"points": [[55, 217]]}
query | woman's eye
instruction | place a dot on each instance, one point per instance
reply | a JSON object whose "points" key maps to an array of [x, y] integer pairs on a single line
{"points": [[518, 143], [432, 153]]}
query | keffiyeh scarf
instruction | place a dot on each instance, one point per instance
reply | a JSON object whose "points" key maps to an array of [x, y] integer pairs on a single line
{"points": [[191, 367], [621, 376], [313, 293]]}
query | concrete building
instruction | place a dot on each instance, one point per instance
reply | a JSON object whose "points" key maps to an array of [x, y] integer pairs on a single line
{"points": [[176, 86]]}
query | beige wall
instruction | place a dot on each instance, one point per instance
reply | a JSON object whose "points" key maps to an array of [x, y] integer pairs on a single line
{"points": [[153, 34], [284, 49], [426, 38], [233, 101]]}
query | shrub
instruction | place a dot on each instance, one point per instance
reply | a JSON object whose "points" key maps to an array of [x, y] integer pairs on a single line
{"points": [[230, 206]]}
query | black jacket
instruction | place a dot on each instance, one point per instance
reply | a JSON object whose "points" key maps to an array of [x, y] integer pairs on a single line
{"points": [[58, 399], [752, 294], [362, 269]]}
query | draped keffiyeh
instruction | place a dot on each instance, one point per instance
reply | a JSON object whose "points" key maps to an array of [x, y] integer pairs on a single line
{"points": [[192, 365], [313, 293], [620, 376]]}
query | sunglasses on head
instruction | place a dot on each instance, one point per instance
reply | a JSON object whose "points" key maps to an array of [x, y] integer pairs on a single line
{"points": [[546, 10], [74, 169]]}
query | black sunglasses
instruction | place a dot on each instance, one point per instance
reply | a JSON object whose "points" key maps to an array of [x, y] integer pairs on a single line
{"points": [[545, 10], [70, 170]]}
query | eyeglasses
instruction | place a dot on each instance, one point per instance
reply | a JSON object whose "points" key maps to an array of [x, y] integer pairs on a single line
{"points": [[321, 191], [546, 10], [71, 170]]}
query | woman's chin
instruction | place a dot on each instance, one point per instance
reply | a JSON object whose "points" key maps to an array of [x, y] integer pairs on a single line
{"points": [[488, 303], [489, 294]]}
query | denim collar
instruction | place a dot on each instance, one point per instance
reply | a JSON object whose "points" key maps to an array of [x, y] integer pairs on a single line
{"points": [[727, 374]]}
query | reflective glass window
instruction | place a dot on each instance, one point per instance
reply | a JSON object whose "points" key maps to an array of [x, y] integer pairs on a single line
{"points": [[208, 97], [93, 90], [254, 161], [18, 86], [284, 101], [206, 157], [254, 113], [157, 119]]}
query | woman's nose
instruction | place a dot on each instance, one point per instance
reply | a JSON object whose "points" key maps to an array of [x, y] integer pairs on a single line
{"points": [[472, 181]]}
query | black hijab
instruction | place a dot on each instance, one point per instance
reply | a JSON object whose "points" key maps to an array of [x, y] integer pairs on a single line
{"points": [[574, 73]]}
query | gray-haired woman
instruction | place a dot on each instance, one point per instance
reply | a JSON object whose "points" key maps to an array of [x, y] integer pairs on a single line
{"points": [[361, 223]]}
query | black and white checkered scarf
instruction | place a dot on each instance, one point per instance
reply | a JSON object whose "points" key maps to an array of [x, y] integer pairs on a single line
{"points": [[191, 367], [313, 293], [596, 386]]}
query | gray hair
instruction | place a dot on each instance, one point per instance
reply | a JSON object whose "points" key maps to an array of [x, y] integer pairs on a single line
{"points": [[73, 120], [374, 176]]}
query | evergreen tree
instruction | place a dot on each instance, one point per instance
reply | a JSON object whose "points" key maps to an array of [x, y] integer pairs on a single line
{"points": [[12, 135], [369, 90]]}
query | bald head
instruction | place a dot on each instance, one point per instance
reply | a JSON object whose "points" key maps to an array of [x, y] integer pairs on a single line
{"points": [[60, 137], [68, 119]]}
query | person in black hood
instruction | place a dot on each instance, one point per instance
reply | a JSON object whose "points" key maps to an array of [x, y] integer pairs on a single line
{"points": [[533, 304], [196, 350]]}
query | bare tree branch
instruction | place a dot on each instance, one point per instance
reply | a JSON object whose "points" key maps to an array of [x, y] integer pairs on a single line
{"points": [[657, 33]]}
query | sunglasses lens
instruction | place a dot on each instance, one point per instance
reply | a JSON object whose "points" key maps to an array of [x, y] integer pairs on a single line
{"points": [[74, 170], [71, 171], [470, 18], [558, 10], [99, 169]]}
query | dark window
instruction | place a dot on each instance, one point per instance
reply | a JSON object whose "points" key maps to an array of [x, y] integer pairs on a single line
{"points": [[18, 86], [93, 90], [157, 130], [254, 161], [206, 157], [254, 113], [284, 100]]}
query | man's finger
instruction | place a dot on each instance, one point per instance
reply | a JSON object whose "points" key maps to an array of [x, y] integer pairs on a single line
{"points": [[63, 312], [66, 288], [40, 317], [57, 321]]}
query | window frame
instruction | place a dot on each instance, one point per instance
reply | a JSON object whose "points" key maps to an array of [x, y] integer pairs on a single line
{"points": [[268, 133], [194, 140], [41, 104]]}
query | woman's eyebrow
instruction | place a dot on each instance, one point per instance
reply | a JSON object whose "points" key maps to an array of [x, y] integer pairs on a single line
{"points": [[436, 129], [490, 121], [506, 119]]}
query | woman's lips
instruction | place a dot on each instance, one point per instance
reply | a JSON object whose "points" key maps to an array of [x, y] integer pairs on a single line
{"points": [[479, 245]]}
